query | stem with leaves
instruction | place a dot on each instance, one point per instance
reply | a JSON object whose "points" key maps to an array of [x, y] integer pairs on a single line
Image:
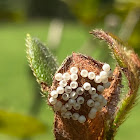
{"points": [[105, 124]]}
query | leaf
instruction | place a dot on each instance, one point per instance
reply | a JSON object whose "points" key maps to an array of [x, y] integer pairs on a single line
{"points": [[130, 64], [18, 125], [66, 129], [127, 59], [42, 62]]}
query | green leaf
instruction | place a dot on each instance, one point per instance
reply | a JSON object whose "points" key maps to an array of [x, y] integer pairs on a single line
{"points": [[129, 62], [42, 62], [18, 125]]}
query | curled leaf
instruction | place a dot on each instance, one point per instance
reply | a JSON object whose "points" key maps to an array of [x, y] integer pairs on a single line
{"points": [[124, 55], [41, 61], [129, 62], [65, 129]]}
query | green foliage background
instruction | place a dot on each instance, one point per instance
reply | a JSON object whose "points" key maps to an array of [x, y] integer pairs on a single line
{"points": [[19, 91], [17, 87]]}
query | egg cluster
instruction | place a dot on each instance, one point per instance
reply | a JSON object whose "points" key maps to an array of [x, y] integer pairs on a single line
{"points": [[71, 93]]}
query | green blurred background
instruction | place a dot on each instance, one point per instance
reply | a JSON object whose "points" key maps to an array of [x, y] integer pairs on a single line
{"points": [[63, 26]]}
